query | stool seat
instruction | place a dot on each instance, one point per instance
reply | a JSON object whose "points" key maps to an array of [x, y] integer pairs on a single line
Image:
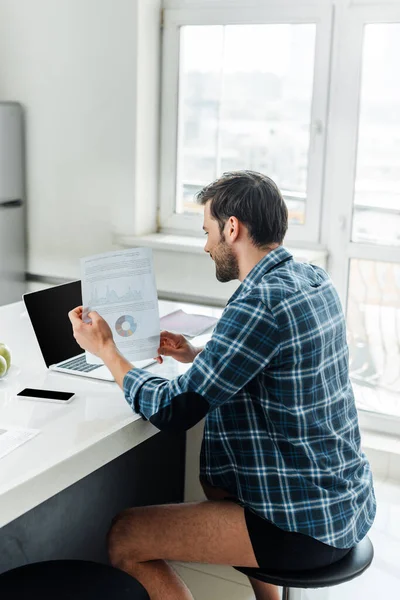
{"points": [[70, 580], [353, 564]]}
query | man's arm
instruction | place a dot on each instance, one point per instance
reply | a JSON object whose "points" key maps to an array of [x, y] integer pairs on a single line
{"points": [[96, 337], [244, 341], [181, 350], [116, 363]]}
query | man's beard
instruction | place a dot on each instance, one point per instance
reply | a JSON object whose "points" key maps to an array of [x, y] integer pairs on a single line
{"points": [[226, 263]]}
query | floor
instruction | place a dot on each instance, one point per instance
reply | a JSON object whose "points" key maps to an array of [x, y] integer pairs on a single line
{"points": [[211, 582]]}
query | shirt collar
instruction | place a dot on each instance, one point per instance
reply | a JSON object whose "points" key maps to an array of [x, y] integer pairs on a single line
{"points": [[266, 264]]}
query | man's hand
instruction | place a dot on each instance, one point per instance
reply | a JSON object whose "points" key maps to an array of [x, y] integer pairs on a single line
{"points": [[95, 337], [177, 346]]}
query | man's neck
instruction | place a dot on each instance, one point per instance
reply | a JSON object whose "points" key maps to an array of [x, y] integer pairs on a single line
{"points": [[251, 256]]}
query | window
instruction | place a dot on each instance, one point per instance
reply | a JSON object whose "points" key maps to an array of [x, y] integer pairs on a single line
{"points": [[363, 197], [373, 320], [245, 102], [244, 89], [373, 308], [377, 186], [257, 88]]}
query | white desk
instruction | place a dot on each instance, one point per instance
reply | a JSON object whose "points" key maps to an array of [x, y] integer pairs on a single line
{"points": [[75, 439]]}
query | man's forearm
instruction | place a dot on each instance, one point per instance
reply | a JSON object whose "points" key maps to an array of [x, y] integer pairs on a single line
{"points": [[117, 364]]}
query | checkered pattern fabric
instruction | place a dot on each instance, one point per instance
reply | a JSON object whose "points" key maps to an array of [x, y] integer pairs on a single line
{"points": [[281, 431]]}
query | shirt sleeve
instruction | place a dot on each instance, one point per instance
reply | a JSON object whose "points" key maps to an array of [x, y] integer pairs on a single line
{"points": [[244, 341]]}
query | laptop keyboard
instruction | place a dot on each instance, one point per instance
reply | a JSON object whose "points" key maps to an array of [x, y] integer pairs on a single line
{"points": [[79, 364]]}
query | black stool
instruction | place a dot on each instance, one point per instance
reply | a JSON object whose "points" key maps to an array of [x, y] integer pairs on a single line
{"points": [[70, 580], [349, 567]]}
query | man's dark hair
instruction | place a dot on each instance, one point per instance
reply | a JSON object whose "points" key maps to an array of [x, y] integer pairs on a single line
{"points": [[254, 199]]}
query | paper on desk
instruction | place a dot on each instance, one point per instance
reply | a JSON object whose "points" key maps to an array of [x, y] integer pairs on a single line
{"points": [[187, 324], [121, 287], [10, 439]]}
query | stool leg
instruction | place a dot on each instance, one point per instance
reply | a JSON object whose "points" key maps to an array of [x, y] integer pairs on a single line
{"points": [[291, 594], [285, 593]]}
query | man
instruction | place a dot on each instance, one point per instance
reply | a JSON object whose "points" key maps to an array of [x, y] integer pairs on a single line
{"points": [[281, 463]]}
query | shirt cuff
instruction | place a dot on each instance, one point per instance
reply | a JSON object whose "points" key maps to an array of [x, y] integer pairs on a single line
{"points": [[133, 381]]}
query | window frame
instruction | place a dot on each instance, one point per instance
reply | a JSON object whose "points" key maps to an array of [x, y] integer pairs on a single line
{"points": [[345, 101], [322, 16], [341, 161], [342, 58]]}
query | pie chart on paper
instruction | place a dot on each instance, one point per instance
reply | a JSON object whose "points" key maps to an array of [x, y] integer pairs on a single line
{"points": [[125, 326]]}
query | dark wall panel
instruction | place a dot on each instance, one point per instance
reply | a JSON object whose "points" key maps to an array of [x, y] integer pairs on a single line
{"points": [[74, 523]]}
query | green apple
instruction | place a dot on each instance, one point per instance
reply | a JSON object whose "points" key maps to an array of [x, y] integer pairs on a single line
{"points": [[3, 367], [5, 352]]}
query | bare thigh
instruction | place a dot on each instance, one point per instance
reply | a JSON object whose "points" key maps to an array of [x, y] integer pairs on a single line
{"points": [[212, 532]]}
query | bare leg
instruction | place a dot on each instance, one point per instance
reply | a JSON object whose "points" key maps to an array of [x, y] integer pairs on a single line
{"points": [[264, 591], [142, 539], [159, 579]]}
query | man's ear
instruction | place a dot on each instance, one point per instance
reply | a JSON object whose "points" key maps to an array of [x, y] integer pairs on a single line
{"points": [[232, 229]]}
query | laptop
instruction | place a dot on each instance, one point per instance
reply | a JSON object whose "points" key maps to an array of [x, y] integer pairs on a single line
{"points": [[48, 311]]}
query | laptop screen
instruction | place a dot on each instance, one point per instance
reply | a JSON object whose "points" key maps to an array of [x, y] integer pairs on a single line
{"points": [[48, 310]]}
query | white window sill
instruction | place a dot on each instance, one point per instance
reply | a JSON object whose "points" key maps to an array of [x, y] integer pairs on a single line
{"points": [[163, 241], [195, 245]]}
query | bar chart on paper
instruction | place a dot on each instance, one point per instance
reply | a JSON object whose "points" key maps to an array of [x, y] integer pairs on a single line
{"points": [[111, 296]]}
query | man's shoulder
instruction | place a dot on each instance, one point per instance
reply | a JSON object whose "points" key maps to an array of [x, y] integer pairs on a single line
{"points": [[287, 282]]}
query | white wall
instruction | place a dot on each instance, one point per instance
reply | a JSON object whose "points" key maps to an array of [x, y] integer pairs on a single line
{"points": [[86, 73]]}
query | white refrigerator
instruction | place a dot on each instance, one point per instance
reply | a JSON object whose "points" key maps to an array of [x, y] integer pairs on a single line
{"points": [[12, 204]]}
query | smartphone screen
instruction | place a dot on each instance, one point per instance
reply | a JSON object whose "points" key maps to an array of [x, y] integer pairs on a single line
{"points": [[46, 394]]}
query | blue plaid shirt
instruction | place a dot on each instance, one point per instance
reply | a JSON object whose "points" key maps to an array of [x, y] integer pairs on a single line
{"points": [[281, 431]]}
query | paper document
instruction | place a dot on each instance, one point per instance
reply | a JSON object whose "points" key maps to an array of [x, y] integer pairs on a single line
{"points": [[121, 287], [10, 439], [187, 324]]}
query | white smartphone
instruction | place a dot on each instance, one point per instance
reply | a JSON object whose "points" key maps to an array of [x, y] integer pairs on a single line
{"points": [[46, 395]]}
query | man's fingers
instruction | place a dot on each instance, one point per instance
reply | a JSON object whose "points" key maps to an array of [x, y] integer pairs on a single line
{"points": [[75, 315], [167, 351], [168, 344], [168, 335], [94, 316]]}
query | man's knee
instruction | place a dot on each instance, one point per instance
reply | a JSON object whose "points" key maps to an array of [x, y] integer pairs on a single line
{"points": [[121, 539]]}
